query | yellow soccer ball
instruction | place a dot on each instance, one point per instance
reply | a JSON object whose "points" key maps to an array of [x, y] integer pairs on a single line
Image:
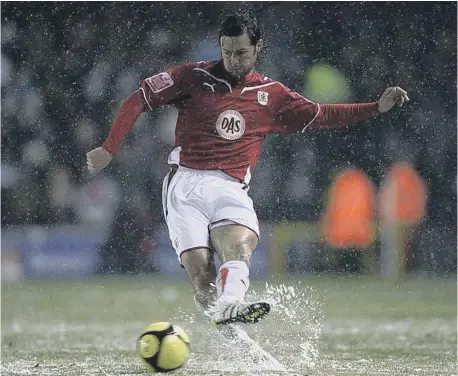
{"points": [[163, 347]]}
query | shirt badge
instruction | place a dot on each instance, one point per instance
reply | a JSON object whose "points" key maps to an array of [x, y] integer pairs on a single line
{"points": [[263, 97]]}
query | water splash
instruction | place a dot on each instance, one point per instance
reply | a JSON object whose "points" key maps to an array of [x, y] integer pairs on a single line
{"points": [[290, 334], [297, 312]]}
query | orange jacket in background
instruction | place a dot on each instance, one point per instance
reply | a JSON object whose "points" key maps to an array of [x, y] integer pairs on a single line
{"points": [[348, 220], [403, 195]]}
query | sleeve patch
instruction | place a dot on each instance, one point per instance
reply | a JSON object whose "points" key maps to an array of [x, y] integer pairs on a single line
{"points": [[159, 82]]}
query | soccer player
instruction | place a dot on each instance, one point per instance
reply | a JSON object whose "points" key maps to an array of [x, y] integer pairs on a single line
{"points": [[225, 110]]}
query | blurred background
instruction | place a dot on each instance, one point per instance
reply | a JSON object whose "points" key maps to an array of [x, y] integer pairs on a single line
{"points": [[66, 68]]}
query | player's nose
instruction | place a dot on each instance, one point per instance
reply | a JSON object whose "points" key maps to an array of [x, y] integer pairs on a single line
{"points": [[235, 61]]}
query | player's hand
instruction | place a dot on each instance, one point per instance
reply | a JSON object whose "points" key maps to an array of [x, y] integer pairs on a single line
{"points": [[391, 96], [98, 159]]}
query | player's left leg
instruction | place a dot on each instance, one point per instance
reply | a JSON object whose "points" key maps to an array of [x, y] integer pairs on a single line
{"points": [[234, 234], [235, 244]]}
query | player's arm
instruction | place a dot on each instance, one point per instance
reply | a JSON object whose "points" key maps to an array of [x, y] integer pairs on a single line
{"points": [[154, 91], [295, 113]]}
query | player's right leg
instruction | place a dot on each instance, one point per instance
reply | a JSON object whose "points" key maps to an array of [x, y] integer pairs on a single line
{"points": [[200, 267], [188, 231]]}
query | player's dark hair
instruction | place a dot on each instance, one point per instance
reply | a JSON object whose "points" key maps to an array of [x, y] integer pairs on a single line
{"points": [[240, 23]]}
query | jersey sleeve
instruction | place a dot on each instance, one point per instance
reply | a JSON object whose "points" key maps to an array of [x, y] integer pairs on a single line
{"points": [[130, 111], [295, 113], [164, 87], [292, 112]]}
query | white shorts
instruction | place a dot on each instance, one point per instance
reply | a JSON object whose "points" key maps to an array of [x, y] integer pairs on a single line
{"points": [[195, 201]]}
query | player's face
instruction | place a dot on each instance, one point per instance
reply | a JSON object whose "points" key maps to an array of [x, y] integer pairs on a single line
{"points": [[239, 55]]}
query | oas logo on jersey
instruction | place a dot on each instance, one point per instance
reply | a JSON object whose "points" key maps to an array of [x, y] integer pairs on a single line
{"points": [[230, 125]]}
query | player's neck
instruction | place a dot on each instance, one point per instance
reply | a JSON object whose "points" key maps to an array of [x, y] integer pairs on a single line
{"points": [[234, 81], [244, 79]]}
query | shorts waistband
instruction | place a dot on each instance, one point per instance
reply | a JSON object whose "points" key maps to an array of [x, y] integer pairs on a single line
{"points": [[216, 173]]}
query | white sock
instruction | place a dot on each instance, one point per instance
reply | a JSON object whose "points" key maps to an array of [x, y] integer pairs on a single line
{"points": [[232, 281]]}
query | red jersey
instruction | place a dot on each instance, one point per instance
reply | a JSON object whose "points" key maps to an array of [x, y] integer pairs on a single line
{"points": [[222, 124]]}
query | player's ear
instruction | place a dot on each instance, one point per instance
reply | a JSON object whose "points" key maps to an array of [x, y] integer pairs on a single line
{"points": [[259, 46]]}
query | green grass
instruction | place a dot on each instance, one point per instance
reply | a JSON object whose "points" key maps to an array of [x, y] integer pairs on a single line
{"points": [[338, 326]]}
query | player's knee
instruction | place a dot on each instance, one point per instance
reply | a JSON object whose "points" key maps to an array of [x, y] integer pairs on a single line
{"points": [[197, 261], [240, 249], [234, 242], [201, 270]]}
